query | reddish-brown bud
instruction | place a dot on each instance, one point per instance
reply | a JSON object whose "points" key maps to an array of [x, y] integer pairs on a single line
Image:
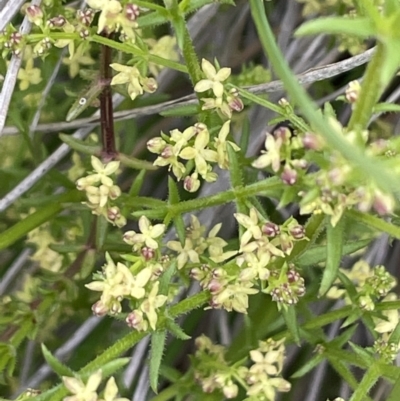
{"points": [[132, 12], [298, 232], [85, 17], [289, 176], [56, 22], [270, 229], [147, 253]]}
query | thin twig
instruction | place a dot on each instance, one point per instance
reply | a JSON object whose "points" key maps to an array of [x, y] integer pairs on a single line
{"points": [[46, 165], [8, 12], [308, 77], [12, 73]]}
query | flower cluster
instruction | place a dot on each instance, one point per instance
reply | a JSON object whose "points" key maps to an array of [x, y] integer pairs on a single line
{"points": [[337, 186], [138, 284], [115, 17], [101, 191], [194, 144], [136, 83], [371, 284], [88, 391], [225, 102], [261, 245], [261, 380]]}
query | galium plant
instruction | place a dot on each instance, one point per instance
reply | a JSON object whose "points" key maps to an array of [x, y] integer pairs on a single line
{"points": [[122, 230]]}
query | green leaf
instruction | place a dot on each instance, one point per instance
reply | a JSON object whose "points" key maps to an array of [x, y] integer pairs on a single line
{"points": [[357, 26], [174, 199], [181, 111], [334, 251], [176, 330], [375, 222], [391, 61], [289, 314], [59, 368], [387, 108], [317, 254], [79, 145], [101, 231], [36, 219], [137, 184], [67, 248], [308, 366], [109, 368], [235, 168], [156, 354], [133, 162], [395, 393], [166, 277]]}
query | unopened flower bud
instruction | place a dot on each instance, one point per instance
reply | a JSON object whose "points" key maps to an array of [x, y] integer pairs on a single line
{"points": [[99, 309], [270, 229], [34, 14], [289, 176], [230, 390], [56, 22], [114, 192], [156, 145], [297, 232], [199, 127], [15, 38], [85, 17], [353, 91], [283, 102], [113, 213], [84, 33], [383, 203], [136, 321], [147, 253], [132, 12], [167, 152], [311, 141], [149, 84], [282, 132], [191, 183], [214, 286]]}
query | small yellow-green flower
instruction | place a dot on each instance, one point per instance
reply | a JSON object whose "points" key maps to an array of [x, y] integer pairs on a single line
{"points": [[28, 75], [251, 224], [131, 76], [147, 235], [81, 391], [213, 79], [152, 303], [110, 10], [111, 391], [200, 153], [221, 143]]}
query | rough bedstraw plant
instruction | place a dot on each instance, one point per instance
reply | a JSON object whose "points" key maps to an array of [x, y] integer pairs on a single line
{"points": [[122, 229]]}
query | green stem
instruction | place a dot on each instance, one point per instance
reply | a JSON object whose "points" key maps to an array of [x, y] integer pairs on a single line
{"points": [[372, 168], [370, 92], [375, 222], [265, 187], [370, 378]]}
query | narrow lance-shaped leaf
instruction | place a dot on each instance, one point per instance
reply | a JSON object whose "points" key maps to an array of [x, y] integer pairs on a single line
{"points": [[334, 250], [59, 368], [84, 101], [157, 350]]}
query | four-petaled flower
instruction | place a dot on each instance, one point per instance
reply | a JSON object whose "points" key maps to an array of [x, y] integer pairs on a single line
{"points": [[213, 80], [147, 234], [200, 153], [81, 391], [152, 303], [131, 76], [253, 230], [271, 156]]}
